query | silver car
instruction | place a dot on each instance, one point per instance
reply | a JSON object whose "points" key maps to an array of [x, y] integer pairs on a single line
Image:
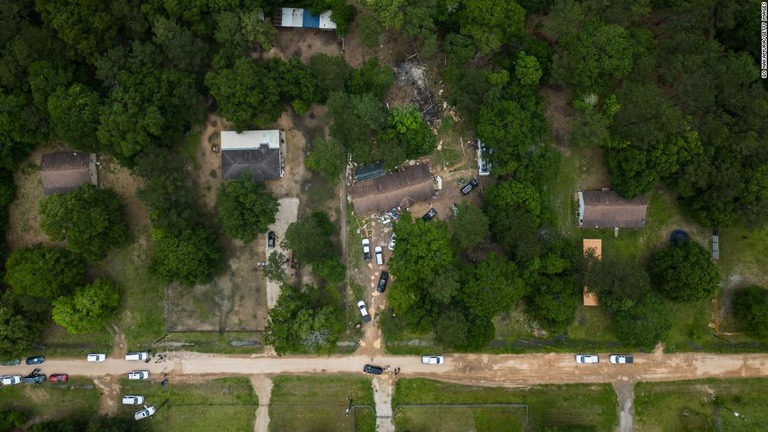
{"points": [[133, 400], [146, 412], [138, 375]]}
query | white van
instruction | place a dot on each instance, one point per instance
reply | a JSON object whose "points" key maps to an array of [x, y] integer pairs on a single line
{"points": [[137, 356], [379, 252]]}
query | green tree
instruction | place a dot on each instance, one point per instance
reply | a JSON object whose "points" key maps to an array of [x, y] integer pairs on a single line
{"points": [[332, 271], [309, 238], [302, 322], [43, 273], [553, 302], [373, 77], [509, 130], [90, 220], [247, 93], [469, 228], [181, 47], [445, 285], [275, 270], [750, 308], [74, 113], [357, 119], [166, 190], [492, 23], [388, 12], [240, 30], [621, 284], [644, 325], [19, 329], [493, 287], [451, 329], [89, 309], [408, 130], [514, 211], [331, 73], [527, 69], [190, 257], [245, 208], [327, 157], [684, 272], [369, 30]]}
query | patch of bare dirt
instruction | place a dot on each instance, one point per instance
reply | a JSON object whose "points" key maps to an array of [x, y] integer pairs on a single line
{"points": [[119, 346], [561, 117], [262, 386], [206, 172], [303, 43], [110, 394]]}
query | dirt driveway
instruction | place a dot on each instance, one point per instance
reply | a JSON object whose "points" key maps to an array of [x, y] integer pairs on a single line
{"points": [[286, 215]]}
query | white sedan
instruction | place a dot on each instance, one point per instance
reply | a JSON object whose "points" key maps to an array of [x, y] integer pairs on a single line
{"points": [[96, 357], [146, 412], [432, 360], [10, 379]]}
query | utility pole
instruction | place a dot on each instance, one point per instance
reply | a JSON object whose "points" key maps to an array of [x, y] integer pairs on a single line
{"points": [[734, 412]]}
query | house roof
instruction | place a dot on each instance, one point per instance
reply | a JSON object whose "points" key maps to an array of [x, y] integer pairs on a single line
{"points": [[63, 171], [606, 209], [263, 164], [250, 140], [295, 17], [399, 189]]}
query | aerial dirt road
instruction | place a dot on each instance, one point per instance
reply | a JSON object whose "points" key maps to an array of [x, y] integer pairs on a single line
{"points": [[471, 369]]}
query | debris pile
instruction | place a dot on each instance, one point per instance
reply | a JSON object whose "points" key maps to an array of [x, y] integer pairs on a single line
{"points": [[411, 73]]}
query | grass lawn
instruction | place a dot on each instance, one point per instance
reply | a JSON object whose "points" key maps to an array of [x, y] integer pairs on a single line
{"points": [[225, 404], [79, 397], [688, 405], [460, 419], [59, 343], [214, 342], [301, 403], [142, 314], [548, 405]]}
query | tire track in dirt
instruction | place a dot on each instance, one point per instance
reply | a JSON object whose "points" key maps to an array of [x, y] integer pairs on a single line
{"points": [[262, 386]]}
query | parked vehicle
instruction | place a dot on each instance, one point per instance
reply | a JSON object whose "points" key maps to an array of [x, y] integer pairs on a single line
{"points": [[383, 278], [96, 357], [469, 186], [146, 412], [33, 379], [379, 255], [10, 379], [429, 215], [138, 375], [363, 311], [133, 356], [271, 237], [373, 370], [36, 360], [392, 239], [133, 400], [58, 378], [455, 209], [587, 358], [483, 167], [432, 360], [366, 249], [621, 359], [14, 362]]}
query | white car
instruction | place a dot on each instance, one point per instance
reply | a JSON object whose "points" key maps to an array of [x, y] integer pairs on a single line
{"points": [[432, 360], [138, 375], [133, 400], [96, 357], [392, 239], [146, 412], [10, 379], [379, 255], [587, 358], [363, 311], [366, 249], [621, 359]]}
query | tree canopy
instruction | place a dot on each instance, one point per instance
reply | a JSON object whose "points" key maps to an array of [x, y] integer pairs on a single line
{"points": [[43, 273], [750, 308], [89, 309], [90, 220], [683, 271], [191, 257], [245, 208]]}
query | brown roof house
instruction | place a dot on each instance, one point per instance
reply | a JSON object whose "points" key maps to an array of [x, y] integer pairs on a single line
{"points": [[606, 209], [63, 171], [398, 189], [257, 152]]}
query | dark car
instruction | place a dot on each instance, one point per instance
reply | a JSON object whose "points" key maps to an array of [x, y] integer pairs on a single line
{"points": [[382, 281], [35, 360], [373, 370], [271, 239], [33, 379], [58, 378], [429, 215], [13, 362], [468, 187]]}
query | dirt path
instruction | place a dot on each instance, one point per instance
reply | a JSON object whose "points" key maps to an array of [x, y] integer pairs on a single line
{"points": [[287, 213], [383, 387], [474, 369], [626, 393], [262, 386], [110, 393]]}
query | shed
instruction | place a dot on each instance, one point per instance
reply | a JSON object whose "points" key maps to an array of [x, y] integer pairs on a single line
{"points": [[367, 172], [257, 152], [63, 171], [303, 18], [398, 189], [607, 209], [594, 246]]}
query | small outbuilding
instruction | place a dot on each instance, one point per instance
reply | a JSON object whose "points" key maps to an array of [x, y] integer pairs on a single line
{"points": [[63, 171], [398, 189], [258, 152], [303, 18], [607, 209]]}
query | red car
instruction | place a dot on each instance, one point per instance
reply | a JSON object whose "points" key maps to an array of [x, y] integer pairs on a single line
{"points": [[58, 378]]}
